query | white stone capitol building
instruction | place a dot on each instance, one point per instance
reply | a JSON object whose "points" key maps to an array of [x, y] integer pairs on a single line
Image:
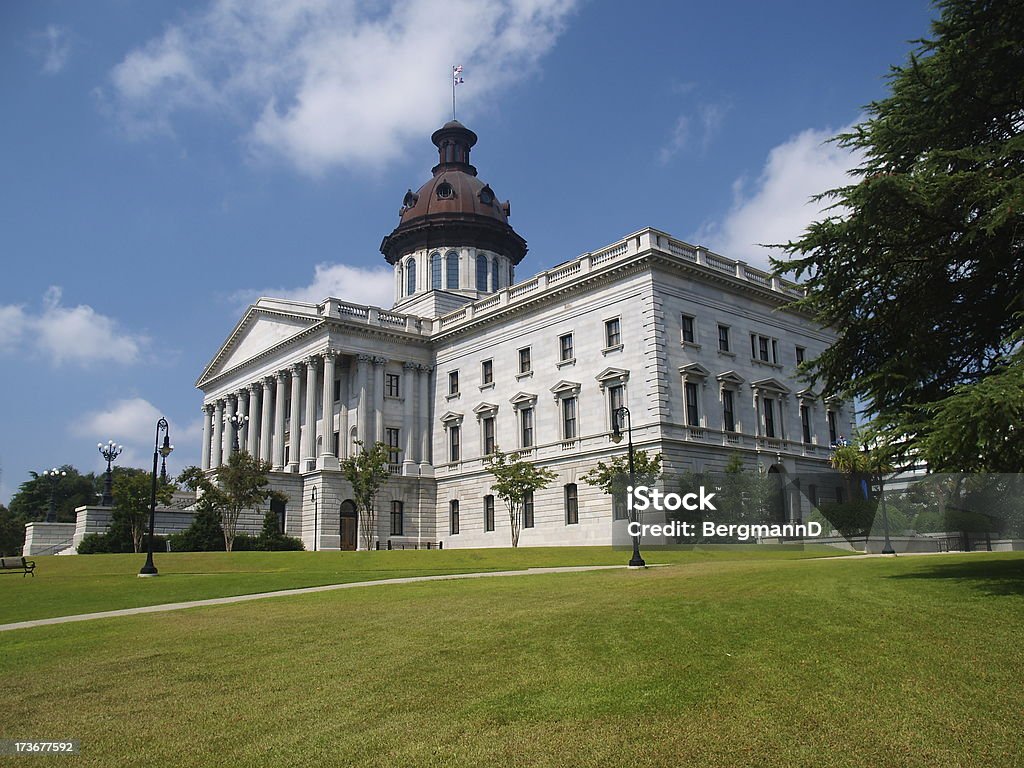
{"points": [[468, 360]]}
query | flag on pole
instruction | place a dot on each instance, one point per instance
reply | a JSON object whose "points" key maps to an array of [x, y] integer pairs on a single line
{"points": [[457, 76]]}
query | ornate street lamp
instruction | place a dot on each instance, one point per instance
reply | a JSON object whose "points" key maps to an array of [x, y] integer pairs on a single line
{"points": [[636, 561], [237, 424], [53, 475], [887, 547], [316, 526], [110, 451], [158, 450]]}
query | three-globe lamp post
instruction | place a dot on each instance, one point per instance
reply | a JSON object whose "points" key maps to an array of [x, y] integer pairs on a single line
{"points": [[54, 476], [110, 451]]}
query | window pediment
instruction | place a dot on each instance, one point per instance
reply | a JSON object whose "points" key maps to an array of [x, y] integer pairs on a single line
{"points": [[566, 389], [451, 418], [730, 378], [770, 385], [610, 377], [696, 370], [523, 400], [485, 410]]}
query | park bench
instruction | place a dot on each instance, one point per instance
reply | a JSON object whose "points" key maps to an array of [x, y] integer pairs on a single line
{"points": [[16, 564]]}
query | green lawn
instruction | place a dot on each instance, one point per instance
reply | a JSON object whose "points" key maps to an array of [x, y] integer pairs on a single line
{"points": [[87, 583], [914, 661]]}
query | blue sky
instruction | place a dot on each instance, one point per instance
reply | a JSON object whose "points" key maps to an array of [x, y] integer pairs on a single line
{"points": [[166, 163]]}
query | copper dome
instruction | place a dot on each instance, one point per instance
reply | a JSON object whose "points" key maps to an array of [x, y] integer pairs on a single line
{"points": [[454, 207]]}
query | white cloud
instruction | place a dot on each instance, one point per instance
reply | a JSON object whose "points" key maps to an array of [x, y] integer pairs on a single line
{"points": [[676, 142], [54, 47], [325, 83], [374, 286], [67, 334], [132, 423], [708, 118], [777, 208]]}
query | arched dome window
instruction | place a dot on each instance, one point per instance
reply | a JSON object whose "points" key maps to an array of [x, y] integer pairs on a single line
{"points": [[495, 275], [410, 277], [481, 272], [435, 270], [451, 268]]}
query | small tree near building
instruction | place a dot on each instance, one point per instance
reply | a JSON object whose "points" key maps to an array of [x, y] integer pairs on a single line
{"points": [[238, 485], [129, 518], [613, 477], [367, 471], [513, 480]]}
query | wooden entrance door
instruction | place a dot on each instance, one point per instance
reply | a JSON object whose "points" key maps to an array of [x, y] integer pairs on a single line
{"points": [[349, 527]]}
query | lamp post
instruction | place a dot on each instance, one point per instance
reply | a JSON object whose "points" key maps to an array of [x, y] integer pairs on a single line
{"points": [[110, 451], [636, 561], [158, 450], [316, 519], [53, 475], [237, 424], [887, 547]]}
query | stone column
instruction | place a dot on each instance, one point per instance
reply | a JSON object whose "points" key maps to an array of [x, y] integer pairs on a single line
{"points": [[243, 410], [265, 422], [217, 446], [207, 427], [757, 414], [328, 459], [424, 457], [309, 430], [362, 422], [252, 438], [278, 457], [343, 425], [378, 398], [409, 394], [295, 420]]}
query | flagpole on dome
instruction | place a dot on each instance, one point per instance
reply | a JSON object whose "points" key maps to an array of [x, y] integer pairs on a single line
{"points": [[456, 80]]}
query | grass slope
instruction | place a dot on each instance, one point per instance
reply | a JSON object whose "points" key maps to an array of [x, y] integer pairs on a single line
{"points": [[88, 583], [711, 662]]}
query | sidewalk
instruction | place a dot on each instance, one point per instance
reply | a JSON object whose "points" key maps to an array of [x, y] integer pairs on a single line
{"points": [[289, 592]]}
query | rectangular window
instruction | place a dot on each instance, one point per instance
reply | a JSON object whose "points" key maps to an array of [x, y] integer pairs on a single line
{"points": [[528, 509], [612, 332], [799, 355], [688, 329], [391, 438], [525, 366], [833, 431], [762, 348], [616, 400], [397, 519], [572, 505], [453, 382], [723, 338], [487, 372], [728, 410], [454, 438], [569, 418], [619, 511], [488, 513], [488, 426], [692, 413], [805, 422], [336, 443], [565, 347], [337, 390], [775, 351], [453, 517], [526, 432], [768, 406], [391, 384]]}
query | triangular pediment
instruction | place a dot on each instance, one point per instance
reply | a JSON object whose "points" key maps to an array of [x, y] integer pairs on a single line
{"points": [[259, 330], [450, 417], [807, 394], [522, 399], [770, 384], [694, 369], [612, 375], [730, 377], [564, 387], [485, 409]]}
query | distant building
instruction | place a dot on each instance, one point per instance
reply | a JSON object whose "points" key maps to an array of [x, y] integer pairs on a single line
{"points": [[469, 360]]}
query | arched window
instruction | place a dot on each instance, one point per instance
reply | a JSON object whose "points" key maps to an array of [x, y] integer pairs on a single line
{"points": [[511, 275], [410, 277], [435, 270], [481, 272], [451, 268], [495, 275]]}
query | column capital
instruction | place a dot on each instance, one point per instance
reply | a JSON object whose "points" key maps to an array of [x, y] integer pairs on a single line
{"points": [[255, 387], [313, 361], [408, 366], [219, 403], [207, 408], [280, 376], [377, 361], [230, 396], [331, 353], [364, 358], [296, 369], [426, 368]]}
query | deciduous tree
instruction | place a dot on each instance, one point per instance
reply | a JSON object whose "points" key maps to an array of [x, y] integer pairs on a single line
{"points": [[514, 478], [367, 471]]}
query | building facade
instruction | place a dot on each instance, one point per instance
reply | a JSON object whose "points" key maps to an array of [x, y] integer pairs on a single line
{"points": [[469, 361]]}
